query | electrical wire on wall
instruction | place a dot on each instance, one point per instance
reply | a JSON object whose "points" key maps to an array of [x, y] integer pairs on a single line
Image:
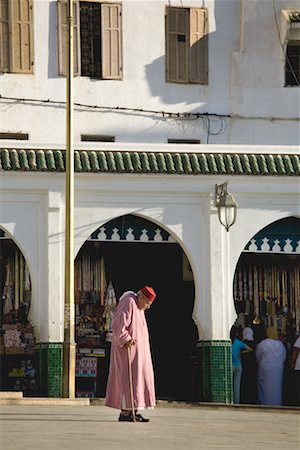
{"points": [[208, 119], [214, 124]]}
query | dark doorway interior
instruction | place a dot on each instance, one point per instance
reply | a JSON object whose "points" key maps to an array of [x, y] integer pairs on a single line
{"points": [[173, 333]]}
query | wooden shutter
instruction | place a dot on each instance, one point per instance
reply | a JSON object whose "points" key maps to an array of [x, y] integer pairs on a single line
{"points": [[177, 44], [4, 36], [62, 27], [198, 58], [111, 41], [21, 49]]}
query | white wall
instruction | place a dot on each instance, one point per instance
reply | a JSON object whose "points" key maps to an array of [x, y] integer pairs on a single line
{"points": [[246, 74], [32, 211]]}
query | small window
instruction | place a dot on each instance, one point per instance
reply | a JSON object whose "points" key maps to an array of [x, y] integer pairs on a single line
{"points": [[292, 64], [184, 141], [15, 136], [186, 45], [96, 138], [16, 36], [97, 39]]}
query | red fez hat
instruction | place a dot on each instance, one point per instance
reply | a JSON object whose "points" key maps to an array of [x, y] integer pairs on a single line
{"points": [[149, 293]]}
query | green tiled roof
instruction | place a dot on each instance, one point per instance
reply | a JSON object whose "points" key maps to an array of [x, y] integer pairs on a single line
{"points": [[149, 162]]}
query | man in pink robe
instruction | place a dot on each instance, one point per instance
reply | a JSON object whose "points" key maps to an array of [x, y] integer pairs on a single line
{"points": [[130, 331]]}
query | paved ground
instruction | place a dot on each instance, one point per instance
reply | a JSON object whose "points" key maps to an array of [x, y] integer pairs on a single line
{"points": [[26, 427]]}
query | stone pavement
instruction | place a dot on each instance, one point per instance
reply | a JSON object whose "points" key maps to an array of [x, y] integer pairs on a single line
{"points": [[95, 427]]}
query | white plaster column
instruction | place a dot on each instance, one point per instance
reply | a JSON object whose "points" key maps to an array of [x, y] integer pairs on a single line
{"points": [[55, 299]]}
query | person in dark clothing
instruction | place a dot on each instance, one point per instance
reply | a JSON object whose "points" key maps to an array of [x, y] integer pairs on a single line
{"points": [[249, 373]]}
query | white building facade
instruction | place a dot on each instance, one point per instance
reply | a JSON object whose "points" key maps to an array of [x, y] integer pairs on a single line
{"points": [[171, 99]]}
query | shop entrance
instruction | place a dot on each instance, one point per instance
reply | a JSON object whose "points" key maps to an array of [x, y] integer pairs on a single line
{"points": [[266, 287], [17, 352], [129, 265]]}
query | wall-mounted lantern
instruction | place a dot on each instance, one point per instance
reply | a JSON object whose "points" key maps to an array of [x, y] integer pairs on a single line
{"points": [[227, 206]]}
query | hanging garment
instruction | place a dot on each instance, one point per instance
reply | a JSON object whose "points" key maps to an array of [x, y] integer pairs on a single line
{"points": [[110, 306], [129, 323]]}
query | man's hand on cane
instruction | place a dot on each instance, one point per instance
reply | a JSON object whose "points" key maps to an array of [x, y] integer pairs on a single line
{"points": [[130, 343]]}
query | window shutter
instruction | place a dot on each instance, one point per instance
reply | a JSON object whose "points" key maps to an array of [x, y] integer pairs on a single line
{"points": [[62, 27], [4, 34], [198, 60], [21, 49], [177, 45], [111, 26]]}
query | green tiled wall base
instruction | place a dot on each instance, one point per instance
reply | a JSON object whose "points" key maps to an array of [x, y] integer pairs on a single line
{"points": [[215, 384], [49, 369]]}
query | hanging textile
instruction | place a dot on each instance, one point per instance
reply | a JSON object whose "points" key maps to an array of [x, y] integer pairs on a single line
{"points": [[102, 281], [269, 289], [110, 306]]}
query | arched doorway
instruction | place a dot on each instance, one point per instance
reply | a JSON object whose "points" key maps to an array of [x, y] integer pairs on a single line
{"points": [[266, 286], [17, 346], [130, 252]]}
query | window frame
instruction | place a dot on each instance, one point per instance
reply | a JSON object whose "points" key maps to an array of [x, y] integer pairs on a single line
{"points": [[192, 45], [288, 67], [11, 52], [77, 37]]}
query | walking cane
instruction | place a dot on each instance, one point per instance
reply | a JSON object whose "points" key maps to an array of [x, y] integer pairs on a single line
{"points": [[130, 382]]}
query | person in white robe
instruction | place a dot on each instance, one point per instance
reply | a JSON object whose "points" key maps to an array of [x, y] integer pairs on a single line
{"points": [[270, 356]]}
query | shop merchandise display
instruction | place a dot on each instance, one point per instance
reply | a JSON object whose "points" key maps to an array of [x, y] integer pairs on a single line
{"points": [[17, 345], [267, 292], [95, 302]]}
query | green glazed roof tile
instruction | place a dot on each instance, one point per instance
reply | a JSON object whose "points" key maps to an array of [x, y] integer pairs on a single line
{"points": [[32, 159], [162, 163], [41, 160], [253, 159], [85, 161], [111, 162], [279, 165], [15, 163], [187, 163], [170, 163], [237, 165], [59, 160], [50, 160], [102, 162], [220, 163], [228, 164], [262, 164], [153, 162], [212, 164], [77, 162], [124, 161], [271, 164], [178, 163], [23, 160], [296, 164], [94, 162], [203, 163], [147, 163], [6, 164], [245, 164], [136, 162], [121, 164], [195, 163], [288, 165]]}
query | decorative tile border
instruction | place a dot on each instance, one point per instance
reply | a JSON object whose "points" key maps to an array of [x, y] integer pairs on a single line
{"points": [[215, 371], [49, 369]]}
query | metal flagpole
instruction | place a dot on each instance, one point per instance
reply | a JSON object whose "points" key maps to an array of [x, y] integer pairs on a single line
{"points": [[69, 347]]}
